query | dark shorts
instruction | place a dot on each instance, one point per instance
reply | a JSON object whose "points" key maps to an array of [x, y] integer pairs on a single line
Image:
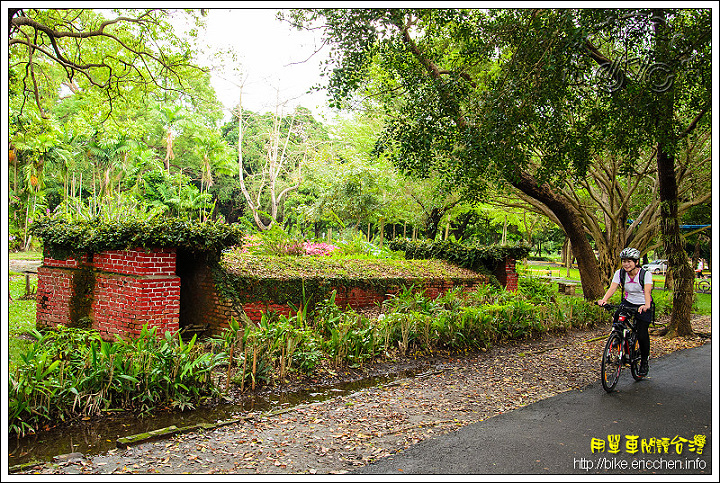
{"points": [[644, 318]]}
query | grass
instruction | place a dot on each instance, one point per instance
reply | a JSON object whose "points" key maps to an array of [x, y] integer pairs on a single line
{"points": [[540, 268], [701, 306], [26, 255], [21, 316]]}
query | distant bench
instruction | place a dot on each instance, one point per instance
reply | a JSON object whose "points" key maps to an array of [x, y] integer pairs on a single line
{"points": [[547, 272], [568, 288]]}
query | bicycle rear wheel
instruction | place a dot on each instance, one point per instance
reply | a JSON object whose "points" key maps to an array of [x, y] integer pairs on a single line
{"points": [[703, 286], [611, 362]]}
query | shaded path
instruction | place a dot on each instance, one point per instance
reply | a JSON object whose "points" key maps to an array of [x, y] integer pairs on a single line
{"points": [[553, 436]]}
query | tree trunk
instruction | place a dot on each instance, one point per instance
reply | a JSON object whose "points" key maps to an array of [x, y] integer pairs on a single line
{"points": [[568, 260], [431, 223], [681, 271], [573, 226]]}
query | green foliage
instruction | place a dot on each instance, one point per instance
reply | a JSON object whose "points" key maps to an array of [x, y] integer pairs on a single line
{"points": [[358, 248], [73, 372], [274, 241], [703, 304], [473, 257], [91, 236], [663, 302], [161, 58], [536, 290], [21, 311], [268, 352], [410, 322]]}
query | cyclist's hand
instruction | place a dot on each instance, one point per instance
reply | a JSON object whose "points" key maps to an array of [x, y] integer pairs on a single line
{"points": [[642, 308], [601, 303]]}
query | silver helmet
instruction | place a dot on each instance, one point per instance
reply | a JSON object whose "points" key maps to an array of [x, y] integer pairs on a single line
{"points": [[632, 253]]}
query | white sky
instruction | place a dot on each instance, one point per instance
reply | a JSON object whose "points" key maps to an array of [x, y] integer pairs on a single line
{"points": [[271, 55]]}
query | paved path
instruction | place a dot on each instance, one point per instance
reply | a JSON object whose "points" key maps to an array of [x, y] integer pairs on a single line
{"points": [[555, 435], [24, 266]]}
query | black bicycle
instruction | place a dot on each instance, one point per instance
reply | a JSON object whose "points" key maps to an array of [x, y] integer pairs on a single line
{"points": [[621, 349]]}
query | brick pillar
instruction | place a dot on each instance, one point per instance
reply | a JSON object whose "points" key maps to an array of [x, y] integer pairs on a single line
{"points": [[115, 292], [56, 303], [506, 274], [134, 288]]}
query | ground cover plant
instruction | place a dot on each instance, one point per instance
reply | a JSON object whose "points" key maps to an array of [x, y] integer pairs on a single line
{"points": [[21, 313], [69, 373]]}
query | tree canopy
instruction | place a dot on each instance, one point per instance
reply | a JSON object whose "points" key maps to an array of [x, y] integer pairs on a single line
{"points": [[530, 96], [109, 52]]}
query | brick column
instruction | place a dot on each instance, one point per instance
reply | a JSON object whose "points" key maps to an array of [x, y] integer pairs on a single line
{"points": [[134, 288], [58, 282], [115, 292], [506, 274]]}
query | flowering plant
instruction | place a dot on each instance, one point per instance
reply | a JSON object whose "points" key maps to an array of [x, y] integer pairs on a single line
{"points": [[277, 242], [321, 249]]}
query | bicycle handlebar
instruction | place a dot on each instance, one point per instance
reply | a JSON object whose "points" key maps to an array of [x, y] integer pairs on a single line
{"points": [[614, 307], [630, 323]]}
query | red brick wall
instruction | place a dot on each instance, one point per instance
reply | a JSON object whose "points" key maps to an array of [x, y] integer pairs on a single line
{"points": [[54, 294], [136, 262], [122, 291], [506, 274], [130, 288], [123, 304], [354, 297]]}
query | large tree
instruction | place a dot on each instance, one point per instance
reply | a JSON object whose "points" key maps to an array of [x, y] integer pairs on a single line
{"points": [[679, 38], [108, 86], [438, 76], [522, 94], [618, 200]]}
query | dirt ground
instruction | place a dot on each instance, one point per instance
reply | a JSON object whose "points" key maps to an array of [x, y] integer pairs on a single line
{"points": [[348, 431]]}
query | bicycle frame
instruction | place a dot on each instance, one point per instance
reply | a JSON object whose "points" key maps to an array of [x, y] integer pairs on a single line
{"points": [[621, 347], [626, 327], [703, 285]]}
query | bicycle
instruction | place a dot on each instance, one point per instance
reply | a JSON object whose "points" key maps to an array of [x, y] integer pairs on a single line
{"points": [[621, 349]]}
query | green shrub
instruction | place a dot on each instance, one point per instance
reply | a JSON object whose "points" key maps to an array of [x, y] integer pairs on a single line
{"points": [[480, 258], [63, 238], [663, 302]]}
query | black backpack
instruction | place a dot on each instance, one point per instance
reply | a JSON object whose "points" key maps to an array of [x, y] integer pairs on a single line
{"points": [[641, 276]]}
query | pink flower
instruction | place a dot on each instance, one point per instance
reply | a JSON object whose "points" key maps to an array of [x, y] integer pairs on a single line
{"points": [[321, 249]]}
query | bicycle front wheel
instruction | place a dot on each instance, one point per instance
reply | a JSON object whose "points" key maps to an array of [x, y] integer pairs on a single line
{"points": [[611, 362], [635, 359], [703, 286]]}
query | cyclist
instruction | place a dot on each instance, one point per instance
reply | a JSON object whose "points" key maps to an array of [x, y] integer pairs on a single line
{"points": [[636, 294]]}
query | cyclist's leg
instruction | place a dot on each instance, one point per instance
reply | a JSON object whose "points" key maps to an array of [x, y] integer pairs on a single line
{"points": [[643, 323]]}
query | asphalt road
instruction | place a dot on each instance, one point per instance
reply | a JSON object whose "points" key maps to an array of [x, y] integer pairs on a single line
{"points": [[563, 434]]}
